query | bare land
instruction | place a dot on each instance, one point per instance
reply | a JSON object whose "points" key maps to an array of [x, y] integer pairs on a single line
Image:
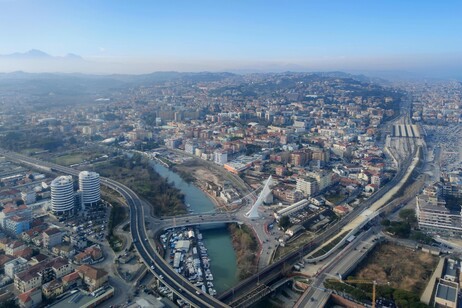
{"points": [[402, 267], [203, 175]]}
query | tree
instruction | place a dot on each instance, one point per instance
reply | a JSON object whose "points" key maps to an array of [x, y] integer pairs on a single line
{"points": [[284, 222], [400, 229], [11, 303], [408, 215], [385, 222]]}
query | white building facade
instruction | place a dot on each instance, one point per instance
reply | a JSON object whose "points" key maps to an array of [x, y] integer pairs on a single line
{"points": [[62, 195], [90, 188]]}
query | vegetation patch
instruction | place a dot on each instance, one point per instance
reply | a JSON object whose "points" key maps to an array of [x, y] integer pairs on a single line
{"points": [[70, 159], [246, 247], [335, 198], [402, 267], [363, 292], [186, 176], [401, 274], [407, 227], [115, 242], [137, 174], [118, 215]]}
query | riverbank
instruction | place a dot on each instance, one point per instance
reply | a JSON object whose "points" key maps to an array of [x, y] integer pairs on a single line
{"points": [[246, 247], [199, 201], [200, 176], [136, 173]]}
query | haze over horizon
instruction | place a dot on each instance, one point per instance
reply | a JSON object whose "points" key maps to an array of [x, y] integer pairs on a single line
{"points": [[119, 37]]}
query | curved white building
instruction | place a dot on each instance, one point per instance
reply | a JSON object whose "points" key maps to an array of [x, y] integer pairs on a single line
{"points": [[62, 195], [89, 186]]}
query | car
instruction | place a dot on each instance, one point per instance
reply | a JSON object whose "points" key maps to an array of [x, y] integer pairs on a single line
{"points": [[146, 239], [152, 267], [180, 290], [161, 277], [198, 293]]}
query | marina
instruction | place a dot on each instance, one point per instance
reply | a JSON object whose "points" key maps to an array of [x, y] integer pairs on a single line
{"points": [[216, 241], [187, 254]]}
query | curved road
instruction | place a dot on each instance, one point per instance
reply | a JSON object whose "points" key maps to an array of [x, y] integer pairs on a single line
{"points": [[172, 279], [158, 266]]}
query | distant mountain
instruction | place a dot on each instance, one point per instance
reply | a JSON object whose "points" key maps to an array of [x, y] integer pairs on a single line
{"points": [[35, 54], [73, 56], [31, 54]]}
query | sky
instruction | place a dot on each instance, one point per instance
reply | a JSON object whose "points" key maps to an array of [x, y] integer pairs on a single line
{"points": [[137, 36]]}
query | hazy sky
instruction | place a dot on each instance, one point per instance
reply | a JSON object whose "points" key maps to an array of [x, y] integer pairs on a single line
{"points": [[232, 34]]}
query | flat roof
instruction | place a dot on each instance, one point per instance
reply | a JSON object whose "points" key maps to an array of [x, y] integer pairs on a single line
{"points": [[79, 299], [451, 269], [446, 292]]}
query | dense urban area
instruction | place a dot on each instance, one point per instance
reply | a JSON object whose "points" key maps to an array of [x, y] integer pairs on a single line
{"points": [[328, 189]]}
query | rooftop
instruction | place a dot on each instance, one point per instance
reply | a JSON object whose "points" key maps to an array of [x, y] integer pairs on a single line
{"points": [[447, 290], [79, 299]]}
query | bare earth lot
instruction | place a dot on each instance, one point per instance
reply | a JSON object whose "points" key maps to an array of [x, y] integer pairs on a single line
{"points": [[402, 267]]}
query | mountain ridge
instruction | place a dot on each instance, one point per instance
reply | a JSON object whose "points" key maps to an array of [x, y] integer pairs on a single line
{"points": [[40, 55]]}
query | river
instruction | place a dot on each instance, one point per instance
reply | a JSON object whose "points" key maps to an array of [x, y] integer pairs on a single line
{"points": [[218, 241]]}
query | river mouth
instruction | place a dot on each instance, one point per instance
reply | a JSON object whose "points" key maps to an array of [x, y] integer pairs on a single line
{"points": [[217, 239]]}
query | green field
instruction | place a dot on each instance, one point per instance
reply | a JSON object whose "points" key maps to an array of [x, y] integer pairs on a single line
{"points": [[30, 151], [70, 159]]}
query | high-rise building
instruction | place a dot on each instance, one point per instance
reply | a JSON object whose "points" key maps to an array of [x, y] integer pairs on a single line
{"points": [[29, 197], [62, 195], [220, 157], [307, 185], [89, 186]]}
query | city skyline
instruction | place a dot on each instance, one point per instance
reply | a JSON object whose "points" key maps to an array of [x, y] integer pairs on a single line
{"points": [[353, 36]]}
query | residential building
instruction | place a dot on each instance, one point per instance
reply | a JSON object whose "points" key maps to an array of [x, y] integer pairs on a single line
{"points": [[307, 185], [10, 211], [62, 195], [190, 147], [15, 266], [52, 237], [93, 277], [65, 251], [323, 178], [41, 273], [220, 157], [89, 185], [90, 255], [71, 281], [17, 224], [432, 215], [29, 197], [31, 298], [53, 288], [13, 247]]}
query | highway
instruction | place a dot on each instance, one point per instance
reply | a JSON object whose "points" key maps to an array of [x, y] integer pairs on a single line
{"points": [[178, 284], [316, 295]]}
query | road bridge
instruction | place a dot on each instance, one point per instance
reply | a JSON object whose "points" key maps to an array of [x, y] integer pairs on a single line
{"points": [[150, 256], [153, 260], [197, 219]]}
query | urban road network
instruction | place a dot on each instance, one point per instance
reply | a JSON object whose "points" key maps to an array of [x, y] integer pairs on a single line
{"points": [[177, 283]]}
